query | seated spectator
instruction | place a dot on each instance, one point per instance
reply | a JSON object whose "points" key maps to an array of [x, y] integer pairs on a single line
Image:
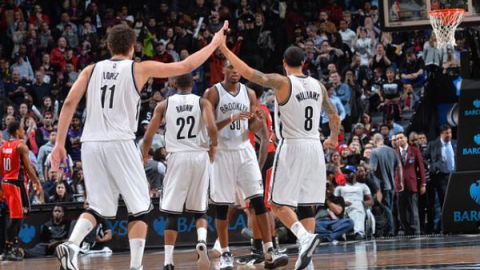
{"points": [[412, 71], [96, 241], [336, 161], [78, 185], [155, 171], [54, 232], [330, 223], [60, 195], [357, 198]]}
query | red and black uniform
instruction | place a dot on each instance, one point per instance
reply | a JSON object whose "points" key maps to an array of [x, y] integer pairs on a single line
{"points": [[14, 179], [267, 168]]}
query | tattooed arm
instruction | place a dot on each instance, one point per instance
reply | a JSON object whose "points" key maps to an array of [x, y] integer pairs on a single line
{"points": [[279, 83], [333, 119]]}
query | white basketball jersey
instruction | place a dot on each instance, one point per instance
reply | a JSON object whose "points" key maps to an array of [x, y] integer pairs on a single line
{"points": [[300, 115], [113, 102], [185, 129], [235, 135]]}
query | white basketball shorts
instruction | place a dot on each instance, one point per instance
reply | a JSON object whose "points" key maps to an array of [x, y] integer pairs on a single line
{"points": [[111, 169], [185, 187], [232, 170], [299, 174]]}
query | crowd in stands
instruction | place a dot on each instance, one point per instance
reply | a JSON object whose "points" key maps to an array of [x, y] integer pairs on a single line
{"points": [[374, 78]]}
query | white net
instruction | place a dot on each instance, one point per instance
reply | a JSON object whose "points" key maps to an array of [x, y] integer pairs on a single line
{"points": [[444, 23]]}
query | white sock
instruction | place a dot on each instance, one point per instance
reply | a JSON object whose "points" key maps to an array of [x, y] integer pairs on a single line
{"points": [[80, 231], [298, 230], [227, 249], [137, 247], [202, 234], [267, 246], [168, 254]]}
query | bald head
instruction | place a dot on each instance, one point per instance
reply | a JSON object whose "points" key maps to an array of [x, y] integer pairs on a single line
{"points": [[378, 139]]}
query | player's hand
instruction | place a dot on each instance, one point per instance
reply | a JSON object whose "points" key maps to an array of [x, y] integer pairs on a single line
{"points": [[37, 186], [212, 152], [145, 160], [242, 116], [330, 143], [220, 37], [59, 155], [401, 187]]}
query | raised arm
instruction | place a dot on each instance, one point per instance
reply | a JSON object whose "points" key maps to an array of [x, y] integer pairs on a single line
{"points": [[77, 91], [275, 81], [147, 69], [209, 118], [152, 128], [333, 119]]}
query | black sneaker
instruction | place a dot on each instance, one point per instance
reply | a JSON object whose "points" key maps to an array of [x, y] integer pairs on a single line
{"points": [[251, 259], [15, 254], [274, 259], [168, 267]]}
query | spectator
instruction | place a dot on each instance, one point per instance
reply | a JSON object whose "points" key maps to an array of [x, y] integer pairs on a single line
{"points": [[391, 92], [364, 46], [37, 17], [344, 93], [338, 105], [57, 55], [47, 126], [349, 37], [45, 38], [74, 135], [393, 127], [70, 36], [413, 177], [78, 185], [155, 171], [61, 194], [96, 241], [39, 89], [54, 232], [384, 164], [23, 67], [357, 198], [433, 57], [330, 222], [43, 153], [412, 71], [65, 22], [8, 119]]}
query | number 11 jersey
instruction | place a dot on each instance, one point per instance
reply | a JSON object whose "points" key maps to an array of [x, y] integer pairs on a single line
{"points": [[113, 102]]}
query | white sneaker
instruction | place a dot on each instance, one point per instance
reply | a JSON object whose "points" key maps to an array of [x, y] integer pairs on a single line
{"points": [[203, 262], [226, 261], [307, 247], [67, 254], [275, 259], [216, 251]]}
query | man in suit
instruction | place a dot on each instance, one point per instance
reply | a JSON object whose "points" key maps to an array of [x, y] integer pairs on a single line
{"points": [[414, 184], [441, 158]]}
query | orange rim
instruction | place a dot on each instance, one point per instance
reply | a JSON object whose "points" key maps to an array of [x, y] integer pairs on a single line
{"points": [[444, 14]]}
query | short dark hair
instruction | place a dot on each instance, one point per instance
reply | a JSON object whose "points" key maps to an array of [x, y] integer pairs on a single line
{"points": [[444, 128], [294, 56], [13, 127], [184, 81], [121, 39]]}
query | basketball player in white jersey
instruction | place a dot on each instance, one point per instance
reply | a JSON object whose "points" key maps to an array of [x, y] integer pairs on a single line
{"points": [[111, 163], [236, 168], [185, 187], [299, 177]]}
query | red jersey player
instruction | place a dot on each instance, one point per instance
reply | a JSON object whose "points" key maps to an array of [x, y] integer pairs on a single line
{"points": [[14, 168]]}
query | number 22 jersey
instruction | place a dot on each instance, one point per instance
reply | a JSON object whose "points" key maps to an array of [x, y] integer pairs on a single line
{"points": [[113, 102]]}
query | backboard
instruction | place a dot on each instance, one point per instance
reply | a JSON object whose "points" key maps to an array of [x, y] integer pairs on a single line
{"points": [[401, 15]]}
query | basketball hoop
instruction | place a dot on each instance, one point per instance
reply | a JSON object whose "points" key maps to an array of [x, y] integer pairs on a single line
{"points": [[444, 23]]}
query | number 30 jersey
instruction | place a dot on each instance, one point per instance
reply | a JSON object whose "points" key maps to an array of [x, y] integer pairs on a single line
{"points": [[235, 135], [185, 129], [300, 114], [113, 102]]}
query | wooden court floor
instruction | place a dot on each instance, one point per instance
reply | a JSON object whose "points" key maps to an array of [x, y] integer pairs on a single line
{"points": [[434, 252]]}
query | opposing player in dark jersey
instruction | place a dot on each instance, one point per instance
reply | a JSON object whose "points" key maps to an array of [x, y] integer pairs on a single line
{"points": [[110, 159], [299, 177], [189, 118], [14, 169]]}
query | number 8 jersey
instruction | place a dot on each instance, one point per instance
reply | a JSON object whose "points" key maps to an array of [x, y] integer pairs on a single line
{"points": [[235, 135], [185, 129], [300, 114], [113, 102]]}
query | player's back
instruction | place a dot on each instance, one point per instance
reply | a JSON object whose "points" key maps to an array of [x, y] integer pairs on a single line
{"points": [[113, 102], [235, 136], [11, 162], [185, 128], [300, 114]]}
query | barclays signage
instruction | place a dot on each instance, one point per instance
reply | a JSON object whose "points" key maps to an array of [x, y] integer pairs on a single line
{"points": [[475, 111], [469, 151], [472, 215]]}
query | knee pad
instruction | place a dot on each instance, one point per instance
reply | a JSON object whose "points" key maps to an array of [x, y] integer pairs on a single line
{"points": [[136, 218], [222, 212], [198, 216], [304, 212], [171, 223], [258, 205]]}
